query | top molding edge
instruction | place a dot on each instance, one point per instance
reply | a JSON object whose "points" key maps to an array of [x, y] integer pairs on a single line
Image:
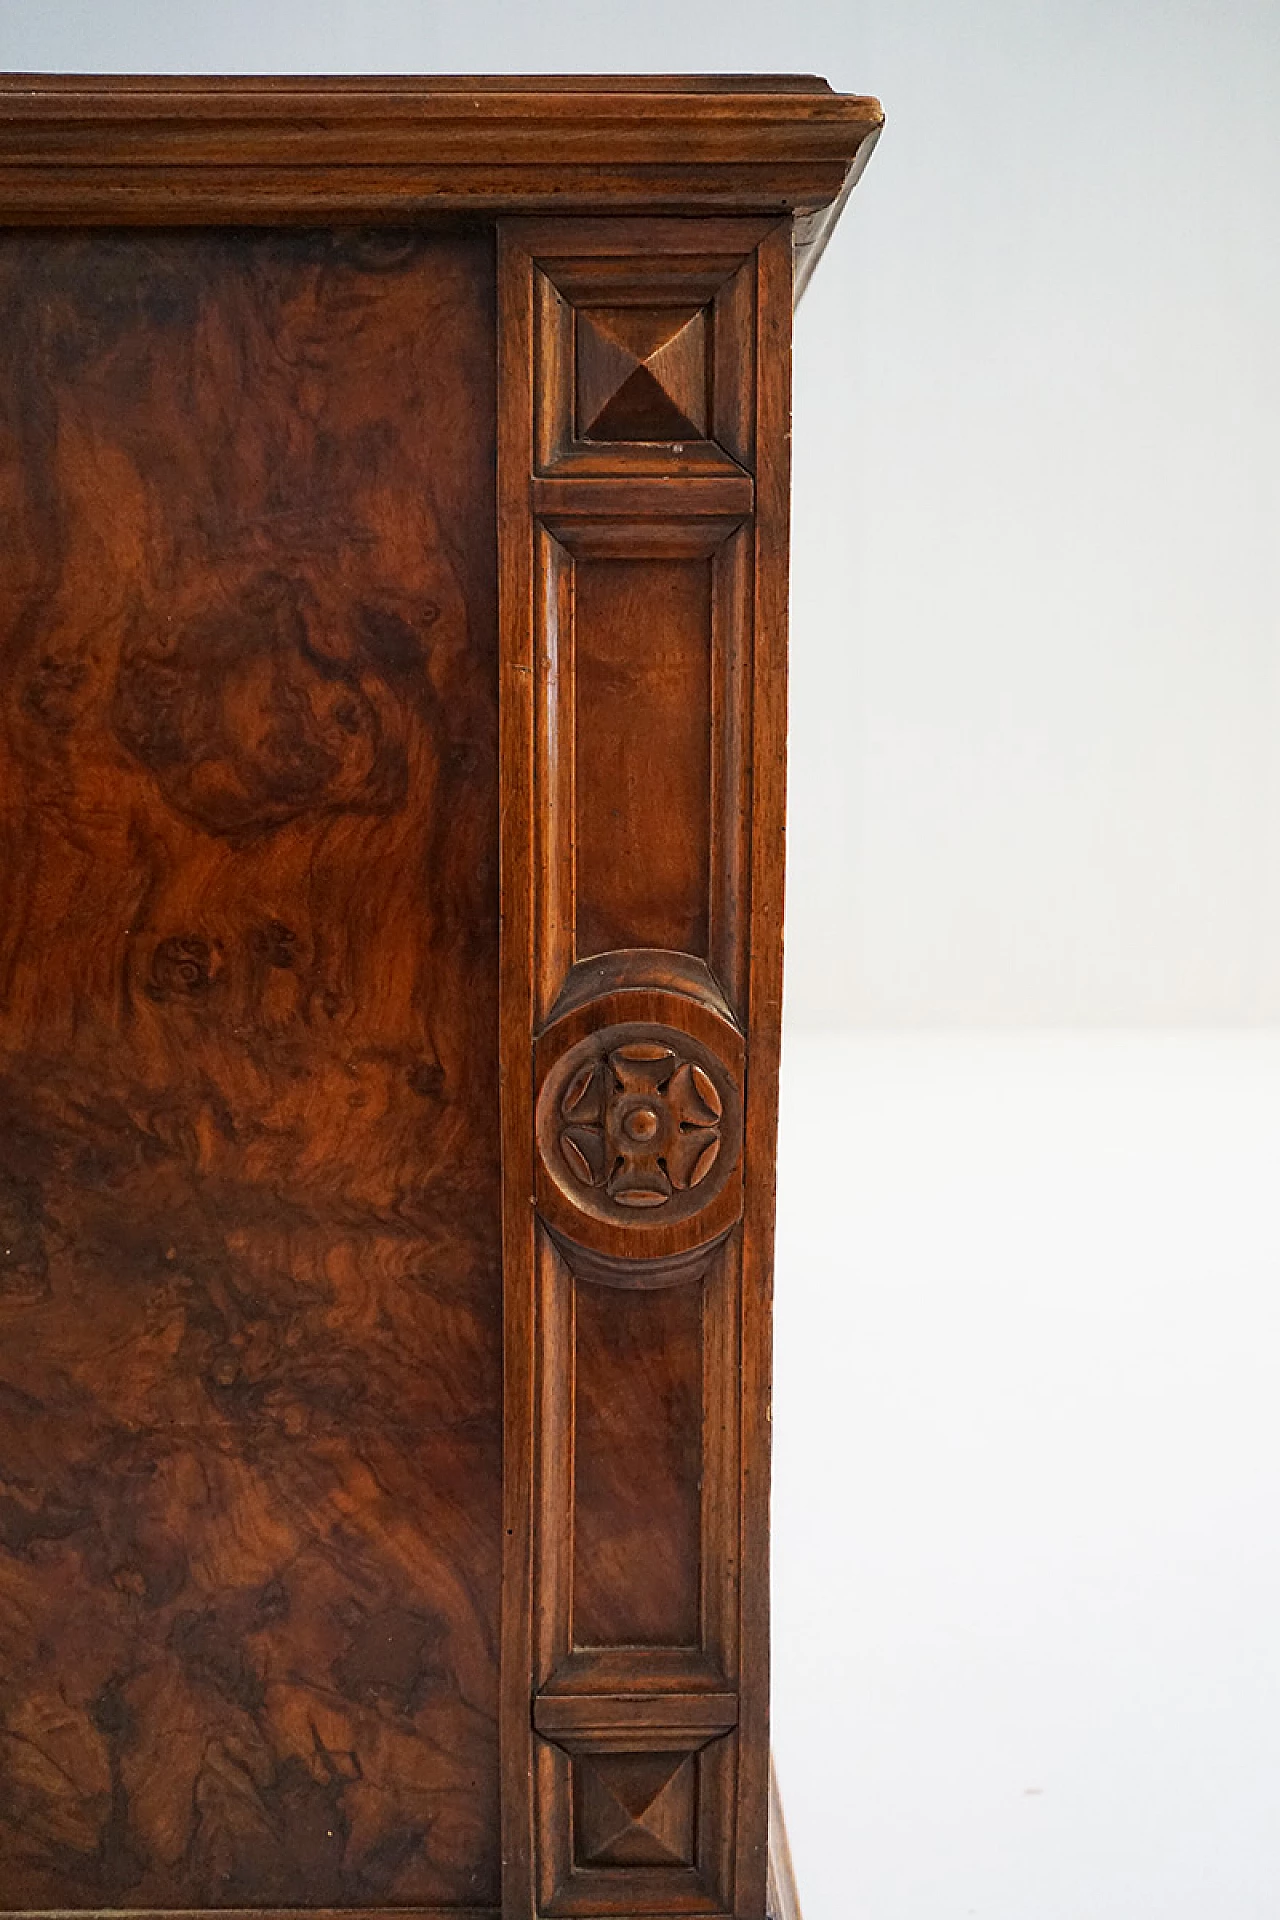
{"points": [[414, 85], [152, 150]]}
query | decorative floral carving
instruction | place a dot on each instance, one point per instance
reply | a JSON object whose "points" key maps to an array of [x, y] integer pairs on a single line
{"points": [[641, 1123], [639, 1133]]}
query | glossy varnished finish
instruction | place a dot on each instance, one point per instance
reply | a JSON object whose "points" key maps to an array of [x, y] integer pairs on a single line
{"points": [[644, 632], [392, 720], [154, 150], [249, 1269]]}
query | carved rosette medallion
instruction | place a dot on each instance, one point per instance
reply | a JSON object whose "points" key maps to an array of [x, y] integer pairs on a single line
{"points": [[639, 1128], [641, 1123]]}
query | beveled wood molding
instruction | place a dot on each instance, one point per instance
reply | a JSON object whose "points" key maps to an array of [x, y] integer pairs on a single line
{"points": [[142, 150], [662, 1720]]}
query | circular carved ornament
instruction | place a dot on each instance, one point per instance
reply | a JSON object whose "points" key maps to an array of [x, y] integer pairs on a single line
{"points": [[639, 1125]]}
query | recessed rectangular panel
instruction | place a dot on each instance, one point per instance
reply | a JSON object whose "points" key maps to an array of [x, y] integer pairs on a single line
{"points": [[637, 1466], [250, 1314], [642, 747]]}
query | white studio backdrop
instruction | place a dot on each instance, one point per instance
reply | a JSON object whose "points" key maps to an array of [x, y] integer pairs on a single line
{"points": [[1027, 1569]]}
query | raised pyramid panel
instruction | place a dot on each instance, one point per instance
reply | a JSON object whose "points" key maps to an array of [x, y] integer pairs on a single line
{"points": [[642, 373], [646, 361], [635, 1809]]}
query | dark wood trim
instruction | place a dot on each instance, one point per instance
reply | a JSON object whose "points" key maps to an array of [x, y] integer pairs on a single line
{"points": [[668, 513], [811, 232], [768, 736], [516, 1016], [662, 1717], [156, 151]]}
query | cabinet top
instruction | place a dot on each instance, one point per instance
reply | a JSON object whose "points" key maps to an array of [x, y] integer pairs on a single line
{"points": [[153, 150]]}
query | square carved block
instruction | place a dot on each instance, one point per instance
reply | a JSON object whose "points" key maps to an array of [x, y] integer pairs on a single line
{"points": [[634, 1809], [642, 373], [636, 1779], [645, 356]]}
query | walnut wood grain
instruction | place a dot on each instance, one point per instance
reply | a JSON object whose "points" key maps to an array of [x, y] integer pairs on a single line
{"points": [[653, 788], [637, 1369], [643, 764], [393, 529], [154, 151], [249, 1313], [767, 734]]}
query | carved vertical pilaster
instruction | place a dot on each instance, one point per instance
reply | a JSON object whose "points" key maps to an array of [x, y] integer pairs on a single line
{"points": [[642, 529]]}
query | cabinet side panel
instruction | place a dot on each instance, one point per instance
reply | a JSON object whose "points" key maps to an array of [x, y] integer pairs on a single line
{"points": [[250, 1361], [768, 812]]}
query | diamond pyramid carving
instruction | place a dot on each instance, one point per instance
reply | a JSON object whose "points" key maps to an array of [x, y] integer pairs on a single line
{"points": [[642, 373], [634, 1810]]}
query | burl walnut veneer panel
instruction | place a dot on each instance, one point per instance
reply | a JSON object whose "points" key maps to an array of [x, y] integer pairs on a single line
{"points": [[393, 557], [250, 1371]]}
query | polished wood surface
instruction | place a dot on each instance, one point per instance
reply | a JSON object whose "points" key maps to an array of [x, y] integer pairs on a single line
{"points": [[153, 149], [249, 1270], [643, 633], [392, 729]]}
